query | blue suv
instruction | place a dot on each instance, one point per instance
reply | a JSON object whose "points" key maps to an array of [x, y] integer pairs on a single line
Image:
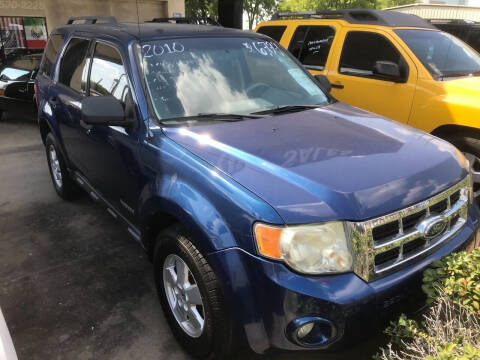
{"points": [[275, 216]]}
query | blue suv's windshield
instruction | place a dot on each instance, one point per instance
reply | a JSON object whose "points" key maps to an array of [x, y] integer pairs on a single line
{"points": [[236, 76]]}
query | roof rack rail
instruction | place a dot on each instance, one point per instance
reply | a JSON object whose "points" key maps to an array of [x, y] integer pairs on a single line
{"points": [[453, 21], [360, 16], [88, 20], [185, 20]]}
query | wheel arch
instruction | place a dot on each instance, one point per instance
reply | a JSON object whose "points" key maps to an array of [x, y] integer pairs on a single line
{"points": [[44, 128], [158, 213], [451, 130]]}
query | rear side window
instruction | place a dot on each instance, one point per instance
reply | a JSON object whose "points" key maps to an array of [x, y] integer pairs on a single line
{"points": [[362, 50], [73, 67], [275, 32], [108, 75], [311, 45], [51, 51], [298, 38]]}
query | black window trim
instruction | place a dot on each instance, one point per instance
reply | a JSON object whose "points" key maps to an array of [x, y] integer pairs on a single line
{"points": [[373, 77], [88, 56], [308, 26]]}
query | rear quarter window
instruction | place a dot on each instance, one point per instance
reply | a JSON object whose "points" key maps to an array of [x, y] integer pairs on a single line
{"points": [[275, 32]]}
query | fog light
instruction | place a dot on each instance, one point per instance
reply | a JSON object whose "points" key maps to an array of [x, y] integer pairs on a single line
{"points": [[304, 330], [312, 332]]}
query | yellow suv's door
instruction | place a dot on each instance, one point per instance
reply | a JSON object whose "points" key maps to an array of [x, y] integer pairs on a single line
{"points": [[356, 82]]}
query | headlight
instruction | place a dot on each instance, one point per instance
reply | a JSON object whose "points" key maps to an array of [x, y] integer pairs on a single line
{"points": [[309, 249]]}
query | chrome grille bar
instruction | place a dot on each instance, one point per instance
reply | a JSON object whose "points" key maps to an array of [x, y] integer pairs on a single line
{"points": [[392, 250]]}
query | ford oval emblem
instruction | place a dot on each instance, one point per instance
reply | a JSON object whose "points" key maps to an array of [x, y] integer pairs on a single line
{"points": [[432, 227]]}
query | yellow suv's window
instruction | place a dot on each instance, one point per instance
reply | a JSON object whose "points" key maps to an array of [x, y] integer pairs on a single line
{"points": [[275, 32], [311, 45], [362, 50]]}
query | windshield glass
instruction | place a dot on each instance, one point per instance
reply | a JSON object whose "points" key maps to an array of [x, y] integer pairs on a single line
{"points": [[195, 76], [442, 54]]}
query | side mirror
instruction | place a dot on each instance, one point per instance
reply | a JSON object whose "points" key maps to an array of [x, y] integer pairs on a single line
{"points": [[389, 70], [323, 82], [104, 110]]}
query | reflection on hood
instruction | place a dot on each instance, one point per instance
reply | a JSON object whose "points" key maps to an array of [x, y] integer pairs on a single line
{"points": [[336, 162]]}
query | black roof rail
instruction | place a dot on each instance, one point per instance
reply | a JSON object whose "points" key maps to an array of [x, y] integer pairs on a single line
{"points": [[360, 16], [92, 20], [185, 20]]}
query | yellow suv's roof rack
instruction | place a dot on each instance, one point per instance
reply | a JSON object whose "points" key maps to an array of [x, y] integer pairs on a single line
{"points": [[361, 16]]}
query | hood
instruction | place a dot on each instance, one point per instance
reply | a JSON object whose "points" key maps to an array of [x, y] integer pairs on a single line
{"points": [[331, 163], [463, 86]]}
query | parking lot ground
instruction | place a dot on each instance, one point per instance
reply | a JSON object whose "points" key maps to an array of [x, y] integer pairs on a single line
{"points": [[74, 284]]}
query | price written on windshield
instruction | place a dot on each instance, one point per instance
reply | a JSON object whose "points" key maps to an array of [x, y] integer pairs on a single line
{"points": [[162, 49], [264, 48]]}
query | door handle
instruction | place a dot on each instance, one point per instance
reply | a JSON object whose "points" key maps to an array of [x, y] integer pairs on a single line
{"points": [[337, 86]]}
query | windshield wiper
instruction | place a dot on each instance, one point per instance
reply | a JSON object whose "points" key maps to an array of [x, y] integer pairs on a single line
{"points": [[286, 108], [214, 116]]}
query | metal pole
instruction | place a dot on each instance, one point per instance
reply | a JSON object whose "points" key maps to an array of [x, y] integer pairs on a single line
{"points": [[230, 13]]}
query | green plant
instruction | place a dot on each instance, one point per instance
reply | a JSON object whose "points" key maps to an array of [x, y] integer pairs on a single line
{"points": [[456, 276], [449, 331]]}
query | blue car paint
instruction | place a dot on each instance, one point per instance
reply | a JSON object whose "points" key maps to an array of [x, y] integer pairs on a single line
{"points": [[271, 295], [331, 163], [218, 180]]}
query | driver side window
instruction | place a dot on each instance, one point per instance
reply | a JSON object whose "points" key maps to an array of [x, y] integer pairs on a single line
{"points": [[108, 76], [362, 49]]}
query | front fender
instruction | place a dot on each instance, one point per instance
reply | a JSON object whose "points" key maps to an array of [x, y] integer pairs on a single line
{"points": [[440, 103], [218, 212]]}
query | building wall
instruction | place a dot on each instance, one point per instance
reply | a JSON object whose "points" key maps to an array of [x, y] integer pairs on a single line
{"points": [[431, 11], [58, 11]]}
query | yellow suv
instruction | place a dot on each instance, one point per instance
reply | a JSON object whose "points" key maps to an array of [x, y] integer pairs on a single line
{"points": [[393, 64]]}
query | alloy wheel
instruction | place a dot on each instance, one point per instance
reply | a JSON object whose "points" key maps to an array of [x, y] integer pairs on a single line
{"points": [[55, 166], [183, 295]]}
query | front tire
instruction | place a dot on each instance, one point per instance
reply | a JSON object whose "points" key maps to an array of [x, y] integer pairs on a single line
{"points": [[64, 185], [191, 297]]}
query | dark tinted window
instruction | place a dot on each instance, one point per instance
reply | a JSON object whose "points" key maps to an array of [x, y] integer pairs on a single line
{"points": [[473, 38], [108, 76], [51, 51], [362, 50], [298, 38], [275, 32], [317, 46], [73, 68]]}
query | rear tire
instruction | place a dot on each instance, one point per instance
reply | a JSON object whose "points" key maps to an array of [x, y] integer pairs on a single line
{"points": [[469, 144], [173, 252], [64, 185]]}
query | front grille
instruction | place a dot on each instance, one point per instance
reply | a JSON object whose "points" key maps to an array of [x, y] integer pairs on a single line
{"points": [[386, 244]]}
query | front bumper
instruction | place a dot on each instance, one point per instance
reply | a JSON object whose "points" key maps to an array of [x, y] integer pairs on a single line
{"points": [[265, 296]]}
